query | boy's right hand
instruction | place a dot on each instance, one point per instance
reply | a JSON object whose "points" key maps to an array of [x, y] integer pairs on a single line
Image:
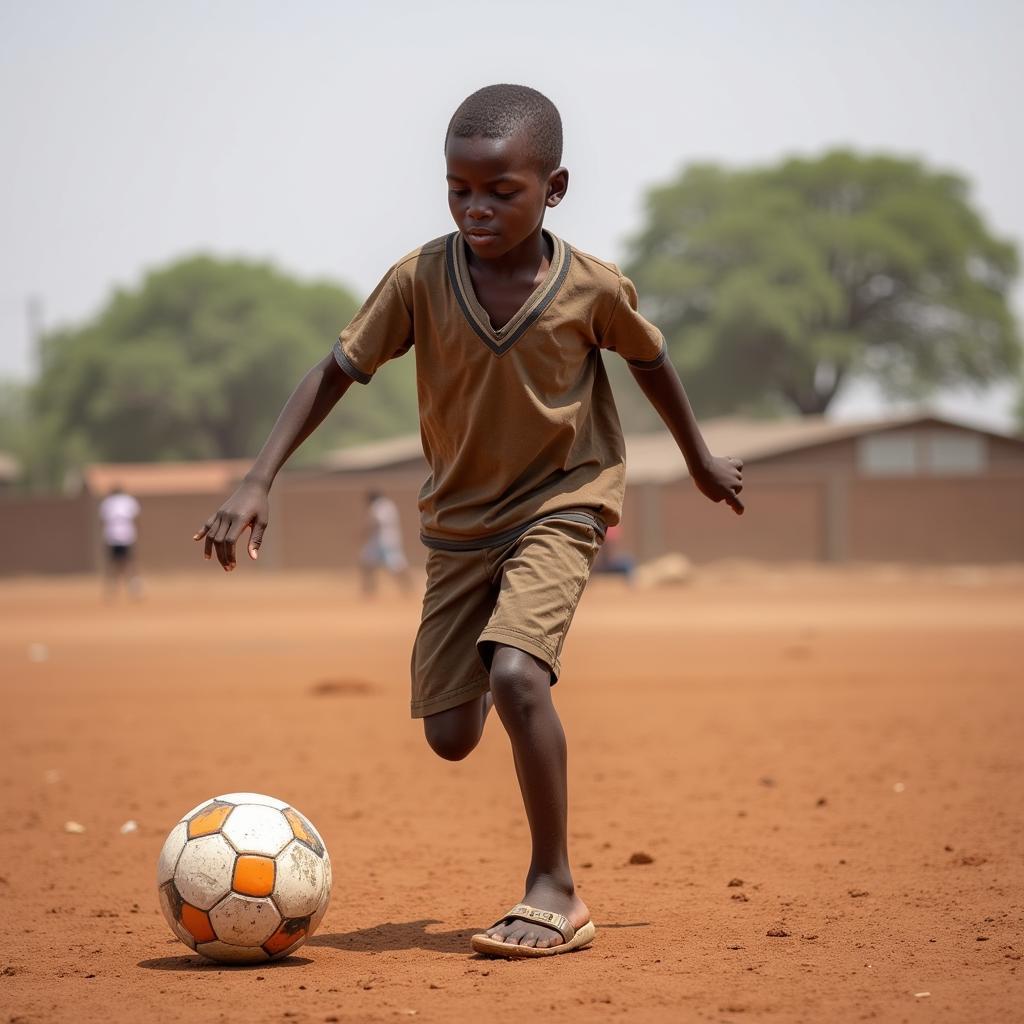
{"points": [[248, 507]]}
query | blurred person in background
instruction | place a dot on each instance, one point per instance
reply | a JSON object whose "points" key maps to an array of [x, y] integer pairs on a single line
{"points": [[118, 512], [383, 546], [612, 558]]}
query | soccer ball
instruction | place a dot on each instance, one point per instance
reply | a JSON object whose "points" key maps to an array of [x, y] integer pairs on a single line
{"points": [[244, 878]]}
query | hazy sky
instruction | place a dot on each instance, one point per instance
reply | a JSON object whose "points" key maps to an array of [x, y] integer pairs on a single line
{"points": [[309, 133]]}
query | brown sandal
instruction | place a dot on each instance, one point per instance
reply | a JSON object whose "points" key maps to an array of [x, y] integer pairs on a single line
{"points": [[573, 938]]}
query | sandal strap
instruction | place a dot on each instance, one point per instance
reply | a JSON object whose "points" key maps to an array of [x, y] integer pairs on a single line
{"points": [[524, 912]]}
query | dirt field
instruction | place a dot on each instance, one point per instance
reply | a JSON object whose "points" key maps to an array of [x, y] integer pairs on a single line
{"points": [[848, 744]]}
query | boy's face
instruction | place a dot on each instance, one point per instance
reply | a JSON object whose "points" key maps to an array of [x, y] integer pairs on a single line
{"points": [[496, 193]]}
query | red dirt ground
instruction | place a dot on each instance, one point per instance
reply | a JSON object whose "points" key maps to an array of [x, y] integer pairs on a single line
{"points": [[848, 744]]}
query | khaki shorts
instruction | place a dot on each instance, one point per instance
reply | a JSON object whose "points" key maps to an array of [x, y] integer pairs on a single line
{"points": [[522, 593]]}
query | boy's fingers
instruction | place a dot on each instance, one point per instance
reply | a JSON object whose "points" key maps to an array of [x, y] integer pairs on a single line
{"points": [[238, 524], [735, 504], [207, 534], [219, 541], [255, 540], [207, 527]]}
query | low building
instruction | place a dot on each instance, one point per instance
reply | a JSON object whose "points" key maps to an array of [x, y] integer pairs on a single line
{"points": [[913, 489], [917, 488]]}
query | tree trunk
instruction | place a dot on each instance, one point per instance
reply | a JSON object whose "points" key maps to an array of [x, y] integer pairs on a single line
{"points": [[813, 401]]}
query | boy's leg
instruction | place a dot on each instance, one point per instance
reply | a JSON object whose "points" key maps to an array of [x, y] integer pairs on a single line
{"points": [[521, 689], [449, 681], [453, 734]]}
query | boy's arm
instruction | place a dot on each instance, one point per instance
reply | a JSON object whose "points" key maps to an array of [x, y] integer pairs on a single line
{"points": [[720, 479], [317, 393]]}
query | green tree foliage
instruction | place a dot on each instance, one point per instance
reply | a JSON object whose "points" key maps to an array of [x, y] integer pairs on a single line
{"points": [[775, 285], [13, 414], [196, 363], [14, 420]]}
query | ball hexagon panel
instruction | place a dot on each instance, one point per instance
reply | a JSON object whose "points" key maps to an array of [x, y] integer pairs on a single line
{"points": [[225, 954], [171, 904], [170, 853], [252, 828], [300, 880], [208, 820], [244, 920], [205, 867], [253, 798], [302, 829]]}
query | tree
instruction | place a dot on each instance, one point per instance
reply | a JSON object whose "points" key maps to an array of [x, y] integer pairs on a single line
{"points": [[775, 285], [196, 363]]}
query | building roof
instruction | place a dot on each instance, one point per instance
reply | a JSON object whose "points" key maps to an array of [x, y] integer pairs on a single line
{"points": [[654, 458], [392, 453], [142, 478]]}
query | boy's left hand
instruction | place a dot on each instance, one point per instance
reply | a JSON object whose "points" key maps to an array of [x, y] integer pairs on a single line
{"points": [[721, 479]]}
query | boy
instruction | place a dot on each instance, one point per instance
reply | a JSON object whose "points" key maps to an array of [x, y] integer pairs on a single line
{"points": [[526, 458]]}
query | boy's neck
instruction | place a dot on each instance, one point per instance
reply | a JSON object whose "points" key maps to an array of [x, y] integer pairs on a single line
{"points": [[527, 257]]}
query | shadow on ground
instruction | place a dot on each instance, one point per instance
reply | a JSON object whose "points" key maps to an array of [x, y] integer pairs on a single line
{"points": [[395, 935], [198, 963]]}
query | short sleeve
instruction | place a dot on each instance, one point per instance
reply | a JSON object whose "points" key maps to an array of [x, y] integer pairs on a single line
{"points": [[381, 330], [636, 339]]}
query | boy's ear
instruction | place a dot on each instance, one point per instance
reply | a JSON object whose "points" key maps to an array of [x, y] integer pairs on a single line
{"points": [[558, 185]]}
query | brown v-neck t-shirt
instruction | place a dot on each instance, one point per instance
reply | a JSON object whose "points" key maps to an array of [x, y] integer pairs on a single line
{"points": [[518, 423]]}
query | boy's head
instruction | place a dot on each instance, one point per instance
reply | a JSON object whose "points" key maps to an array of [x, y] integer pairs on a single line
{"points": [[503, 149], [503, 111]]}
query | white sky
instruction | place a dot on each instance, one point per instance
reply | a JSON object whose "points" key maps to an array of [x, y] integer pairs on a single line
{"points": [[309, 133]]}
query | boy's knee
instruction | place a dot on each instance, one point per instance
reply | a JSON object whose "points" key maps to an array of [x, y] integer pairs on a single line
{"points": [[451, 740], [520, 684]]}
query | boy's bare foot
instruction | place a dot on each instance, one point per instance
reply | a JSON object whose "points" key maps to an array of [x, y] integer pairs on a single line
{"points": [[544, 894]]}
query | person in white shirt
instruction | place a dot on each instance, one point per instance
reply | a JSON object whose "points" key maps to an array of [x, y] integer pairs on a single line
{"points": [[383, 546], [118, 512]]}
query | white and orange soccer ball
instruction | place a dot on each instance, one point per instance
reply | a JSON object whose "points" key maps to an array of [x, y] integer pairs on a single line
{"points": [[244, 878]]}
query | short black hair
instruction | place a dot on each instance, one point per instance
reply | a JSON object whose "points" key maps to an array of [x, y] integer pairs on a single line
{"points": [[500, 111]]}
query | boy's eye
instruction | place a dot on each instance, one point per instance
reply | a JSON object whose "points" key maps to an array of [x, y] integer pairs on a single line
{"points": [[457, 191], [506, 195]]}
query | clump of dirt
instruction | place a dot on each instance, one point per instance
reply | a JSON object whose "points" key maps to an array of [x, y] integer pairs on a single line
{"points": [[973, 860], [340, 688]]}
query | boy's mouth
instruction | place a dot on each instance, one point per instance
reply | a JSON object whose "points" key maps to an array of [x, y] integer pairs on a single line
{"points": [[479, 234], [481, 241]]}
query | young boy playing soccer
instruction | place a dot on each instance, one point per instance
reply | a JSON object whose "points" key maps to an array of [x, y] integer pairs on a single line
{"points": [[526, 462]]}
